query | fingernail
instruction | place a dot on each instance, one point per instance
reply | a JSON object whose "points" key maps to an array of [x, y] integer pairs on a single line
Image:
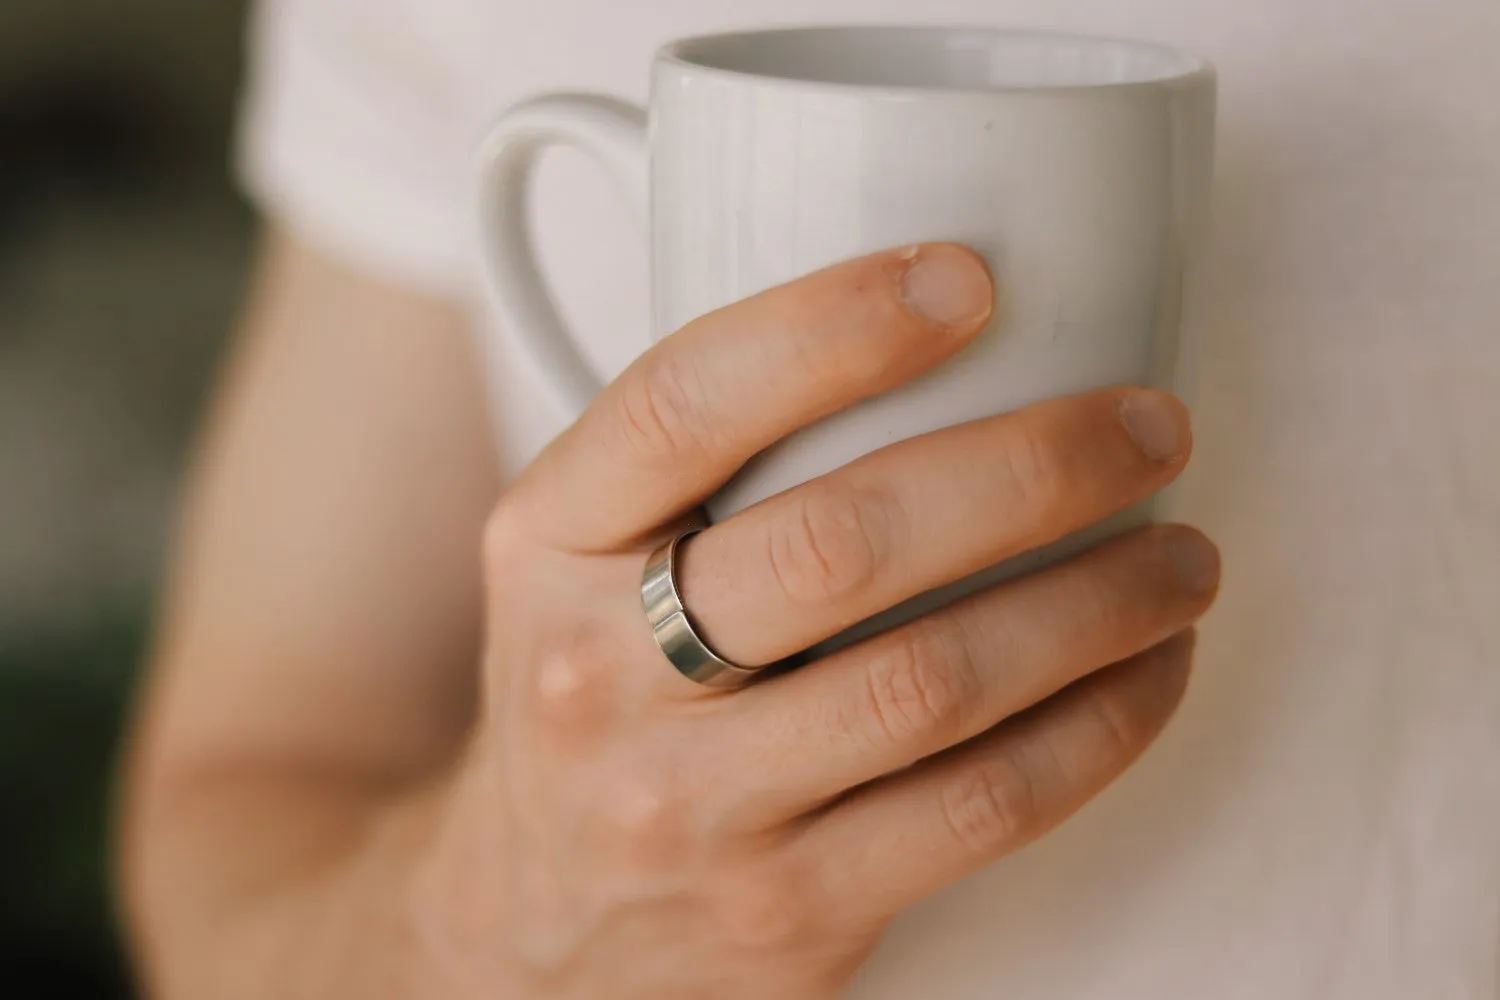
{"points": [[948, 287], [1154, 422], [1195, 561]]}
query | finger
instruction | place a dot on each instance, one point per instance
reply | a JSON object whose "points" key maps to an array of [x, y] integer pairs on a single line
{"points": [[802, 566], [900, 839], [682, 419], [910, 693]]}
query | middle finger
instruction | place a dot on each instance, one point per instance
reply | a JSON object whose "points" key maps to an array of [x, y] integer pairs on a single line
{"points": [[806, 564]]}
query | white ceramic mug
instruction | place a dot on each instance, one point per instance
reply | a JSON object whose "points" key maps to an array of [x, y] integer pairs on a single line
{"points": [[1079, 167]]}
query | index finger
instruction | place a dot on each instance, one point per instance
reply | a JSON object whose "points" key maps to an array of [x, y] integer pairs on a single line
{"points": [[685, 416]]}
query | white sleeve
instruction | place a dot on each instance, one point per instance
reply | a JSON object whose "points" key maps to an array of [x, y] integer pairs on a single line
{"points": [[350, 136]]}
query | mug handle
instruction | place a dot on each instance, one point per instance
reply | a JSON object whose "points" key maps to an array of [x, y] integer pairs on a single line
{"points": [[611, 132]]}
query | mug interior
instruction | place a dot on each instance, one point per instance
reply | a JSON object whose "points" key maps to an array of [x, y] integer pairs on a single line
{"points": [[935, 58]]}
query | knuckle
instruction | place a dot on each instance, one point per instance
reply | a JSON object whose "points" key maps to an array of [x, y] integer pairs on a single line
{"points": [[765, 907], [643, 817], [663, 413], [832, 543], [992, 807], [571, 689], [863, 355], [1037, 475], [1108, 599], [639, 808], [924, 688]]}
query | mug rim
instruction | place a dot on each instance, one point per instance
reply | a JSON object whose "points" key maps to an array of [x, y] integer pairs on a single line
{"points": [[1194, 69]]}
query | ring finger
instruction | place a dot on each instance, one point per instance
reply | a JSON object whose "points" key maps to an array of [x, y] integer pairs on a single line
{"points": [[915, 691]]}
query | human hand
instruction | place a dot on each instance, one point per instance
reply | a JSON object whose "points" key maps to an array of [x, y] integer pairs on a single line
{"points": [[617, 831]]}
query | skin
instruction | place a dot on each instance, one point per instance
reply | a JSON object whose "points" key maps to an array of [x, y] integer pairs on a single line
{"points": [[408, 735]]}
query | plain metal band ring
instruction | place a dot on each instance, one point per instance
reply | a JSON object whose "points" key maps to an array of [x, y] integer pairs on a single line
{"points": [[672, 629]]}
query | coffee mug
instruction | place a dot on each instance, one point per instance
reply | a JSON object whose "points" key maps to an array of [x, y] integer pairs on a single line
{"points": [[1078, 167]]}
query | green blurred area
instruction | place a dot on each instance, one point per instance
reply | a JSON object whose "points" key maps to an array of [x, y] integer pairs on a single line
{"points": [[123, 248], [60, 720]]}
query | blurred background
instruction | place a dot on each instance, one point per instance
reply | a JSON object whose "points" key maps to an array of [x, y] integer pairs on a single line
{"points": [[123, 248]]}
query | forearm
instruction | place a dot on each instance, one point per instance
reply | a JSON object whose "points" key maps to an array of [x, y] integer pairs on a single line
{"points": [[251, 883], [316, 660]]}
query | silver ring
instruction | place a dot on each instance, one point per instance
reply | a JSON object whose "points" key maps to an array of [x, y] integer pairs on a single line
{"points": [[673, 630]]}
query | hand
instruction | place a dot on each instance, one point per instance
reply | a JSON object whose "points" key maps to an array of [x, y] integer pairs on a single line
{"points": [[617, 831]]}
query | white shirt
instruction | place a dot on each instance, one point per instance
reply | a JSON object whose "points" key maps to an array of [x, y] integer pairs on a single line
{"points": [[1322, 820]]}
